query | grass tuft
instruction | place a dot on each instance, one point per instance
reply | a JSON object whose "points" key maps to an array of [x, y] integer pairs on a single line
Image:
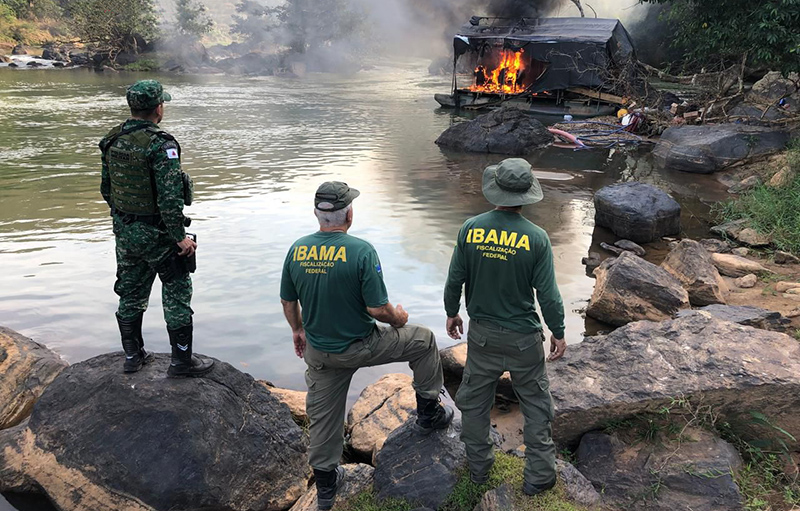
{"points": [[771, 211]]}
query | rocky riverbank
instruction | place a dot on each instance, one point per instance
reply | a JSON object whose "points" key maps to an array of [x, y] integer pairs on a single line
{"points": [[663, 404]]}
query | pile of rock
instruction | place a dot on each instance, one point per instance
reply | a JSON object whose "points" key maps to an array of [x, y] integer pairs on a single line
{"points": [[94, 428]]}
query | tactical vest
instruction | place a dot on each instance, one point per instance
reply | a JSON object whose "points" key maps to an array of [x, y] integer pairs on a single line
{"points": [[133, 186]]}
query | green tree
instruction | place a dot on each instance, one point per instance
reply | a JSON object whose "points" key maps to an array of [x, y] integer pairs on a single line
{"points": [[27, 9], [193, 18], [302, 25], [113, 25], [764, 33]]}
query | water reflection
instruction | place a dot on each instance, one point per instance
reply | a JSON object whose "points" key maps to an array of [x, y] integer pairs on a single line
{"points": [[257, 148]]}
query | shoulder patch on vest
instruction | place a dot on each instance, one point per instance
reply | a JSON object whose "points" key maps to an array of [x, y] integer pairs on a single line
{"points": [[172, 153]]}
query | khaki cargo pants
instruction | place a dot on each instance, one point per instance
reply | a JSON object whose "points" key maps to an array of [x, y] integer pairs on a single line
{"points": [[328, 378], [492, 350]]}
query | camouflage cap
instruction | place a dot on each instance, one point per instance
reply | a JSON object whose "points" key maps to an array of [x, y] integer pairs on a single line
{"points": [[146, 95]]}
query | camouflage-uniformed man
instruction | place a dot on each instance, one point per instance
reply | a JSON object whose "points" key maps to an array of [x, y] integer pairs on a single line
{"points": [[502, 258], [338, 280], [144, 185]]}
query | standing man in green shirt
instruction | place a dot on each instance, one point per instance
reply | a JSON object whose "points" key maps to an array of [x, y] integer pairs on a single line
{"points": [[338, 281], [502, 258]]}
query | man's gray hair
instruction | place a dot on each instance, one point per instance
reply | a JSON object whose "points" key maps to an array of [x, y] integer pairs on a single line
{"points": [[333, 218]]}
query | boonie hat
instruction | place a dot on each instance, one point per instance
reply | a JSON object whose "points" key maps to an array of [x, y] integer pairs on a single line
{"points": [[146, 95], [334, 195], [511, 183]]}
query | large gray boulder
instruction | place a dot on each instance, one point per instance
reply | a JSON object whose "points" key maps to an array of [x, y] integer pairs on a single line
{"points": [[711, 148], [628, 288], [422, 469], [637, 211], [690, 263], [643, 366], [101, 439], [695, 472], [771, 89], [26, 369], [503, 131]]}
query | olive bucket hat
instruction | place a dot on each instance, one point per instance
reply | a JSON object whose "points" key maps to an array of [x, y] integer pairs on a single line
{"points": [[511, 183], [334, 195], [146, 95]]}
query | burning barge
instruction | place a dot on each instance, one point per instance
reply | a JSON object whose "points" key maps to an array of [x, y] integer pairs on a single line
{"points": [[551, 66]]}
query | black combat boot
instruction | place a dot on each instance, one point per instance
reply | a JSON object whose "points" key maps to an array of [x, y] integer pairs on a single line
{"points": [[183, 362], [431, 415], [133, 344], [531, 489], [328, 483]]}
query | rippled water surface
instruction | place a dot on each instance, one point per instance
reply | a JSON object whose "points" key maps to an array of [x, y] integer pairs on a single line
{"points": [[257, 148]]}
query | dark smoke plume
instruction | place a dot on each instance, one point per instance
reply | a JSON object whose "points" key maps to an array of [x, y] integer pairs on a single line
{"points": [[520, 8]]}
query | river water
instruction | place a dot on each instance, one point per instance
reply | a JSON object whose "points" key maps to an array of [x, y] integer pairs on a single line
{"points": [[257, 148]]}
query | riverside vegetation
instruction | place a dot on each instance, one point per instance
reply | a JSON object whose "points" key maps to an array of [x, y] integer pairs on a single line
{"points": [[772, 208]]}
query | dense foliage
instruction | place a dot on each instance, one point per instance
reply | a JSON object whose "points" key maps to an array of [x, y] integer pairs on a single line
{"points": [[301, 25], [193, 18], [113, 24], [24, 9], [721, 32]]}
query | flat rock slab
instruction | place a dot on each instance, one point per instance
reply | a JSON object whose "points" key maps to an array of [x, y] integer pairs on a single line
{"points": [[357, 479], [664, 475], [641, 367], [711, 148], [628, 288], [690, 263], [732, 265], [101, 439], [380, 409], [504, 131], [421, 469], [637, 212], [26, 369], [746, 315]]}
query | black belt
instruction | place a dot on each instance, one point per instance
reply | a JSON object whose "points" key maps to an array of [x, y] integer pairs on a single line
{"points": [[129, 218]]}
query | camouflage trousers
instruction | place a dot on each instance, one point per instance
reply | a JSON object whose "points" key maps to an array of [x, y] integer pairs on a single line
{"points": [[140, 250]]}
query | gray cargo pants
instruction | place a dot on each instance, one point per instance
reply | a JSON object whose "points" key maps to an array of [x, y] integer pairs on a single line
{"points": [[328, 378], [492, 350]]}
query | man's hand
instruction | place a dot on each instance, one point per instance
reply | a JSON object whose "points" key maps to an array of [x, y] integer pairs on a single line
{"points": [[299, 338], [455, 327], [187, 246], [557, 348], [400, 317]]}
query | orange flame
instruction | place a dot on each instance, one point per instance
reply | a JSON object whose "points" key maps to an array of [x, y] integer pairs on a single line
{"points": [[504, 77]]}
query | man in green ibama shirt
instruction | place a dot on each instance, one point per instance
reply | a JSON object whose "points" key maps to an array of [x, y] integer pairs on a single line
{"points": [[337, 279], [501, 258]]}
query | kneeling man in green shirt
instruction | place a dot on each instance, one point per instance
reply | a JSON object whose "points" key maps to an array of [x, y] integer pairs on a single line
{"points": [[338, 281], [501, 258]]}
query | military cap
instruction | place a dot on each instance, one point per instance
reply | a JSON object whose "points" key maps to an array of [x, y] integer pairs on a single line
{"points": [[334, 195], [146, 95]]}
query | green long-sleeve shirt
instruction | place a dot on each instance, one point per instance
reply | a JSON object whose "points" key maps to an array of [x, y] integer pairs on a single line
{"points": [[164, 159], [501, 258]]}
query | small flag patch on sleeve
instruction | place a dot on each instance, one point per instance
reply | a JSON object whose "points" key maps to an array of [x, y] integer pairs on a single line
{"points": [[172, 154]]}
